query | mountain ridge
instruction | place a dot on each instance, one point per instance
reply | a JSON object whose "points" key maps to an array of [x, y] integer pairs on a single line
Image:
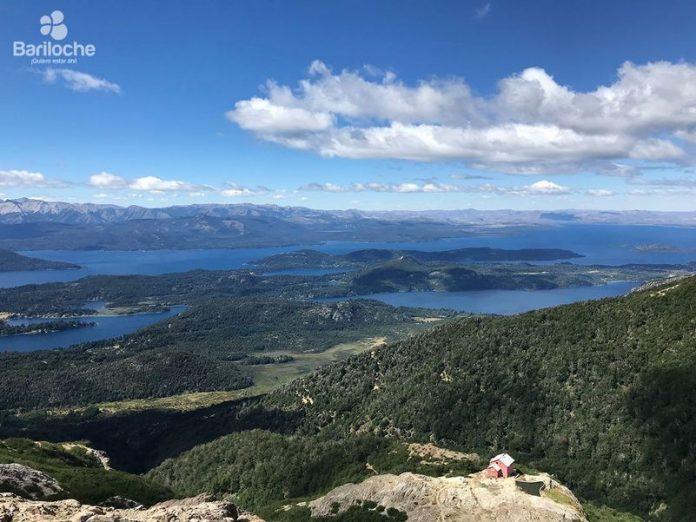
{"points": [[22, 210]]}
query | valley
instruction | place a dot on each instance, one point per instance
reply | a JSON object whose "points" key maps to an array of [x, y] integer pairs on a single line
{"points": [[552, 374], [326, 375]]}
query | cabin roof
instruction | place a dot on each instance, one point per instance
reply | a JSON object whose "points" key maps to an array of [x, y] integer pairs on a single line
{"points": [[506, 459]]}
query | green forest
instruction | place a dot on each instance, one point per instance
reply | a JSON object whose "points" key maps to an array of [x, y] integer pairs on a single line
{"points": [[206, 348], [599, 393]]}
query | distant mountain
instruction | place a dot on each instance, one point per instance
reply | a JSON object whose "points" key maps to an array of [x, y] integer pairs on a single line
{"points": [[32, 225], [24, 210], [36, 211], [28, 224], [540, 217], [11, 262]]}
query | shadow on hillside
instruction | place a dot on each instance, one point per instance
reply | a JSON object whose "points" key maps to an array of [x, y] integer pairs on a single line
{"points": [[663, 407], [139, 440]]}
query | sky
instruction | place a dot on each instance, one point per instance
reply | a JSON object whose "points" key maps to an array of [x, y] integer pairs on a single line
{"points": [[347, 104]]}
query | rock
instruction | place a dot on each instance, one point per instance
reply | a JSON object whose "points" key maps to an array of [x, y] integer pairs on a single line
{"points": [[200, 509], [472, 498], [27, 482], [119, 502], [432, 453]]}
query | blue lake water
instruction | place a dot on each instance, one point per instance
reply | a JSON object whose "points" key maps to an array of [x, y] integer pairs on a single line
{"points": [[502, 302], [105, 327], [600, 244]]}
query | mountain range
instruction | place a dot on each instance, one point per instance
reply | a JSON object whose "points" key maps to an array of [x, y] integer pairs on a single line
{"points": [[29, 224], [26, 210]]}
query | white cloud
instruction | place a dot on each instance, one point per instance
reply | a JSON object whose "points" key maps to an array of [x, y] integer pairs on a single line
{"points": [[237, 191], [107, 180], [531, 125], [152, 184], [155, 184], [600, 193], [263, 116], [545, 187], [79, 81], [234, 190], [687, 135], [22, 178], [539, 188]]}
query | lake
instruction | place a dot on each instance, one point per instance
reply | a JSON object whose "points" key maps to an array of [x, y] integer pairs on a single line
{"points": [[502, 302], [105, 327], [600, 244]]}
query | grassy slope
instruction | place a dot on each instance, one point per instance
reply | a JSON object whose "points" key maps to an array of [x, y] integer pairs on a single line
{"points": [[267, 377]]}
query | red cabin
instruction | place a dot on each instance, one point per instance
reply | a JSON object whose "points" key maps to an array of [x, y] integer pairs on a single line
{"points": [[502, 465]]}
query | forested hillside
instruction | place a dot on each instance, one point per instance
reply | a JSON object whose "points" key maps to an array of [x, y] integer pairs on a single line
{"points": [[314, 258], [600, 393], [211, 346]]}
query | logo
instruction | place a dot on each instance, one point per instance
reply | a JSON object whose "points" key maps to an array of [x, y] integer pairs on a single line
{"points": [[54, 25], [51, 52]]}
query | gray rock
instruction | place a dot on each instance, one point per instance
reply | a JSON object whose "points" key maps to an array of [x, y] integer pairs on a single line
{"points": [[27, 482]]}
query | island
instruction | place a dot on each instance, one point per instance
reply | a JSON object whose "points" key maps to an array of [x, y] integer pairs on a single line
{"points": [[316, 259]]}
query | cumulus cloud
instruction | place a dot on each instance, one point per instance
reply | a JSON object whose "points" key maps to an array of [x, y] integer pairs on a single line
{"points": [[22, 178], [79, 81], [107, 180], [235, 191], [530, 125], [546, 187], [265, 117], [156, 185], [153, 184], [687, 135], [539, 188], [600, 193]]}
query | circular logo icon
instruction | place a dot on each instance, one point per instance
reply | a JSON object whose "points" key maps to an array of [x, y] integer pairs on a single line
{"points": [[53, 25]]}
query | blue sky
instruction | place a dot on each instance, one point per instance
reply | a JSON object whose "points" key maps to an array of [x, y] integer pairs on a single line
{"points": [[375, 105]]}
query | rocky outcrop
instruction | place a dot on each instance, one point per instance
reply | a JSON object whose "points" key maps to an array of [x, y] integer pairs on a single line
{"points": [[199, 509], [27, 482], [474, 498]]}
